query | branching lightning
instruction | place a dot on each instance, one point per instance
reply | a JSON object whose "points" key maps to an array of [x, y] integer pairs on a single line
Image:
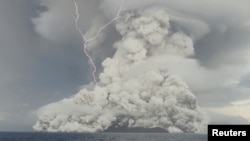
{"points": [[86, 41]]}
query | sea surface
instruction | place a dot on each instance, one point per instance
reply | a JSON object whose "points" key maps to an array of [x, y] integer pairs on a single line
{"points": [[34, 136]]}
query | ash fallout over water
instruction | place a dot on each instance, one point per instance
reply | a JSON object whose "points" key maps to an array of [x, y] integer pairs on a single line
{"points": [[135, 88]]}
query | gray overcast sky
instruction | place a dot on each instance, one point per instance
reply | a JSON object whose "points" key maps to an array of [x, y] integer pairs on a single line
{"points": [[41, 59], [34, 71]]}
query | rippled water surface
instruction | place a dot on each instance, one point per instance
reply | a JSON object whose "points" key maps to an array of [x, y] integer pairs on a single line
{"points": [[23, 136]]}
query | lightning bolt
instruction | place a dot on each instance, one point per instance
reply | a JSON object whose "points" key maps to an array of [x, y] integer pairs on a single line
{"points": [[86, 41]]}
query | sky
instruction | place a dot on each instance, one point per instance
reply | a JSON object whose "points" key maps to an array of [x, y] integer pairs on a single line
{"points": [[42, 61]]}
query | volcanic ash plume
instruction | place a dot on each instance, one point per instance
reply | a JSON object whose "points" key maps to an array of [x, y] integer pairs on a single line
{"points": [[133, 93]]}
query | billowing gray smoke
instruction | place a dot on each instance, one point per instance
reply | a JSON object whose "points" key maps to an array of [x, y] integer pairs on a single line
{"points": [[136, 89]]}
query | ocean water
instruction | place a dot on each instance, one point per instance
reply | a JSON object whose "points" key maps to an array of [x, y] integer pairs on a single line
{"points": [[25, 136]]}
